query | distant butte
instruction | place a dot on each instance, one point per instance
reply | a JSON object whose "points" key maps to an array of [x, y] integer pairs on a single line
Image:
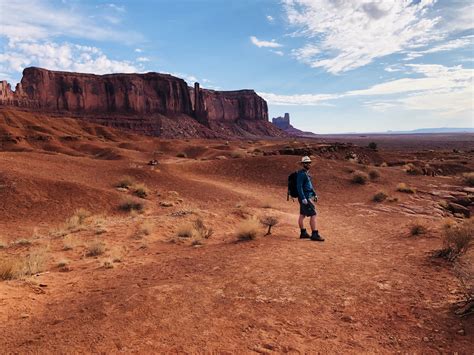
{"points": [[148, 103]]}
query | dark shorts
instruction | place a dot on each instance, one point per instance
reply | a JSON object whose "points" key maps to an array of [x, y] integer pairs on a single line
{"points": [[307, 210]]}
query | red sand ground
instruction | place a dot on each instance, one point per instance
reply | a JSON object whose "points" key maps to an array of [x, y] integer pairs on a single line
{"points": [[370, 288]]}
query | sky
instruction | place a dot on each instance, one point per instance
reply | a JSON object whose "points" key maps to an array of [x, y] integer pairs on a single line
{"points": [[334, 65]]}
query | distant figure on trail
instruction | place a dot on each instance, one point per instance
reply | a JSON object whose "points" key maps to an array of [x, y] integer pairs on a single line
{"points": [[306, 196]]}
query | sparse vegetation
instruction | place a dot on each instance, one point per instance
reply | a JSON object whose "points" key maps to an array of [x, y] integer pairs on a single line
{"points": [[374, 174], [197, 230], [144, 228], [269, 221], [95, 248], [236, 155], [23, 242], [417, 229], [247, 229], [130, 204], [411, 169], [182, 155], [107, 264], [69, 242], [383, 165], [19, 266], [140, 190], [372, 145], [359, 177], [125, 182], [457, 239], [402, 187], [469, 178], [380, 196]]}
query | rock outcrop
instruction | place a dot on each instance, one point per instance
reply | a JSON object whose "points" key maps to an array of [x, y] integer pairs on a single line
{"points": [[228, 106], [284, 124], [112, 93], [128, 100]]}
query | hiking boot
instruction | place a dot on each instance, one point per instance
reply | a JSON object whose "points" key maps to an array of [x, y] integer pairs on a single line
{"points": [[304, 234], [316, 237]]}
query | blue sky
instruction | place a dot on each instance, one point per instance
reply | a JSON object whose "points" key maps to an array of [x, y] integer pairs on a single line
{"points": [[334, 65]]}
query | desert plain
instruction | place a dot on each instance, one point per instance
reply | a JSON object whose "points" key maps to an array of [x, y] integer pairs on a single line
{"points": [[117, 242]]}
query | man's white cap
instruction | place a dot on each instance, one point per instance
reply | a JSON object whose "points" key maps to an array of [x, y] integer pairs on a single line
{"points": [[306, 159]]}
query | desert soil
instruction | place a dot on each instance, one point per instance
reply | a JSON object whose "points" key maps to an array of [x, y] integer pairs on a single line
{"points": [[371, 287]]}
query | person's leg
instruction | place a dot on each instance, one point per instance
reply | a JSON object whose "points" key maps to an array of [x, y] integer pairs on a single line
{"points": [[301, 221], [312, 223]]}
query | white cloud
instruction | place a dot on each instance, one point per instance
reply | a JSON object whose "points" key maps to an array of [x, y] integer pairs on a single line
{"points": [[444, 91], [138, 50], [344, 35], [305, 99], [143, 59], [265, 44], [66, 56], [443, 47], [41, 20], [270, 18], [280, 53]]}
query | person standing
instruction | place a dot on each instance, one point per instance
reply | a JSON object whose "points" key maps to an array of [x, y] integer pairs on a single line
{"points": [[307, 197]]}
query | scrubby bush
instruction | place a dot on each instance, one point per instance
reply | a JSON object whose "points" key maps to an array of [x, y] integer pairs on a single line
{"points": [[197, 230], [417, 229], [125, 182], [469, 178], [402, 187], [269, 221], [457, 239], [247, 230], [140, 190], [372, 145], [374, 174], [95, 248], [380, 196], [359, 177], [129, 205], [411, 169]]}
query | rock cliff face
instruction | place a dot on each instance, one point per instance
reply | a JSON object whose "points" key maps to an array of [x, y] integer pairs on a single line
{"points": [[124, 100], [88, 93], [228, 106]]}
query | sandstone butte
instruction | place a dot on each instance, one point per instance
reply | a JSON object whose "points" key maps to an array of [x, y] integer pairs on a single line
{"points": [[113, 99]]}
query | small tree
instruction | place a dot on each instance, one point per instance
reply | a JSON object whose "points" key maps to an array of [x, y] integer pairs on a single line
{"points": [[269, 221], [373, 146]]}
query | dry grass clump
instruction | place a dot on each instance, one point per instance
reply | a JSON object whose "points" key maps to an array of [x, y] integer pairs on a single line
{"points": [[95, 248], [402, 187], [196, 230], [140, 190], [384, 165], [457, 239], [237, 155], [125, 182], [182, 155], [411, 169], [144, 228], [130, 204], [3, 244], [469, 178], [374, 174], [247, 229], [23, 242], [359, 177], [269, 221], [380, 196], [19, 266], [69, 242], [417, 229]]}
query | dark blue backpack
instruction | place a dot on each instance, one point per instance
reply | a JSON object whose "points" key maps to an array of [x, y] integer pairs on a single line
{"points": [[292, 188]]}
